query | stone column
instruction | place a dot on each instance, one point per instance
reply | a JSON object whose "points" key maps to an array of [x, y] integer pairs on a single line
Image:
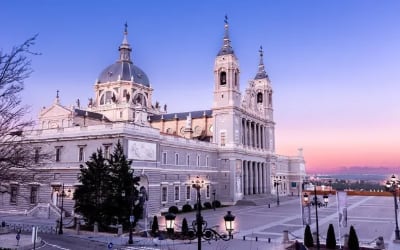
{"points": [[244, 176], [251, 179], [256, 180]]}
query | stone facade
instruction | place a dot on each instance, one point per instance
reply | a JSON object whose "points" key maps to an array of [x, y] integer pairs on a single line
{"points": [[230, 146]]}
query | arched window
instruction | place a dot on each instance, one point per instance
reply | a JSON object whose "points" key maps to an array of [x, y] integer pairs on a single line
{"points": [[222, 78], [270, 99], [106, 98], [259, 98], [236, 78]]}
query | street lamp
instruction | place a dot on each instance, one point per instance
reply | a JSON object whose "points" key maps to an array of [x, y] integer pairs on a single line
{"points": [[170, 222], [307, 202], [392, 186], [60, 231], [199, 228], [131, 217], [276, 184], [213, 204]]}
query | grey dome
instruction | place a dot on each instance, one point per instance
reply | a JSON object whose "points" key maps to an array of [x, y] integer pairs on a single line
{"points": [[125, 71]]}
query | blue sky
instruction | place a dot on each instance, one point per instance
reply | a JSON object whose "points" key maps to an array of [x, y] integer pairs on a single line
{"points": [[334, 65]]}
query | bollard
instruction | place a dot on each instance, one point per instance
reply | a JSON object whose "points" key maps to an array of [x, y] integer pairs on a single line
{"points": [[269, 240], [256, 238], [269, 205], [346, 241], [244, 237], [119, 230], [96, 228], [78, 226], [285, 236]]}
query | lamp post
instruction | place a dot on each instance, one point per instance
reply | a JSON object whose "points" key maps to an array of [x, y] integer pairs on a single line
{"points": [[307, 201], [213, 204], [131, 217], [60, 231], [199, 228], [392, 186], [276, 184]]}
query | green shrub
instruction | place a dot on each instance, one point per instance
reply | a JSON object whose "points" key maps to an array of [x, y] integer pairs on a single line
{"points": [[207, 205], [331, 238], [154, 226], [353, 239], [186, 208], [195, 206], [173, 209], [216, 203], [308, 239], [185, 227]]}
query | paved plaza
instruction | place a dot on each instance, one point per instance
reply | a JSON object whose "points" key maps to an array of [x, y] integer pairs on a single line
{"points": [[371, 216]]}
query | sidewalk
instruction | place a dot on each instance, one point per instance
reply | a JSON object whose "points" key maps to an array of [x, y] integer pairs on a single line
{"points": [[25, 243], [121, 242]]}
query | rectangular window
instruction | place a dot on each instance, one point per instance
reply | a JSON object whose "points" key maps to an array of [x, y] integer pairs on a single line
{"points": [[176, 193], [37, 151], [188, 193], [13, 194], [176, 159], [208, 192], [81, 156], [188, 160], [164, 158], [34, 193], [107, 151], [223, 138], [164, 193], [58, 154], [198, 160]]}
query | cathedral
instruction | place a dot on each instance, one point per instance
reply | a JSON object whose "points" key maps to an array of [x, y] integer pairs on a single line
{"points": [[230, 145]]}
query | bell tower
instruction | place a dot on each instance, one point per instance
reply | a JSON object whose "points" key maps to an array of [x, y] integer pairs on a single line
{"points": [[227, 97], [226, 75]]}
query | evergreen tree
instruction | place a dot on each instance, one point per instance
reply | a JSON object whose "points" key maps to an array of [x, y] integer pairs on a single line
{"points": [[108, 194], [308, 239], [331, 238], [185, 227], [353, 239], [91, 195], [123, 186], [154, 226]]}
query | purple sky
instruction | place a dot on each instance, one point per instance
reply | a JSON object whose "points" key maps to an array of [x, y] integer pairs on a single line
{"points": [[334, 65]]}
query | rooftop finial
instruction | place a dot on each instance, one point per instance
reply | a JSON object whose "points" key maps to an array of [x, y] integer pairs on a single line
{"points": [[261, 55], [57, 100], [125, 48], [226, 47], [261, 74]]}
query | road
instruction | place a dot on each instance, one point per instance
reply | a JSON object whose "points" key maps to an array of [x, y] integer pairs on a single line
{"points": [[53, 242]]}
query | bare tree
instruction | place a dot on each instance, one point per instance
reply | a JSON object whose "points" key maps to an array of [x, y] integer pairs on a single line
{"points": [[18, 156]]}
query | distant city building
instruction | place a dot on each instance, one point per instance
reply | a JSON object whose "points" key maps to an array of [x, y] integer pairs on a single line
{"points": [[230, 146]]}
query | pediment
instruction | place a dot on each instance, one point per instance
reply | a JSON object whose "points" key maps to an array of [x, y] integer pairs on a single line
{"points": [[55, 111]]}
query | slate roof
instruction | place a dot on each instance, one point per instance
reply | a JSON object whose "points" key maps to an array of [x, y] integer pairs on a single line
{"points": [[181, 116]]}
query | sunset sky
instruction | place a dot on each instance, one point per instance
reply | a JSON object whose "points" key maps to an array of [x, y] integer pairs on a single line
{"points": [[334, 65]]}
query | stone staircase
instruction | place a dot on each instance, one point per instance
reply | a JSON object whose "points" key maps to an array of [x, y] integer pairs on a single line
{"points": [[44, 210]]}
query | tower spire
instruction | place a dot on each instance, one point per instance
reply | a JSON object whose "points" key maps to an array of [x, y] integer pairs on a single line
{"points": [[261, 74], [125, 49], [226, 47]]}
